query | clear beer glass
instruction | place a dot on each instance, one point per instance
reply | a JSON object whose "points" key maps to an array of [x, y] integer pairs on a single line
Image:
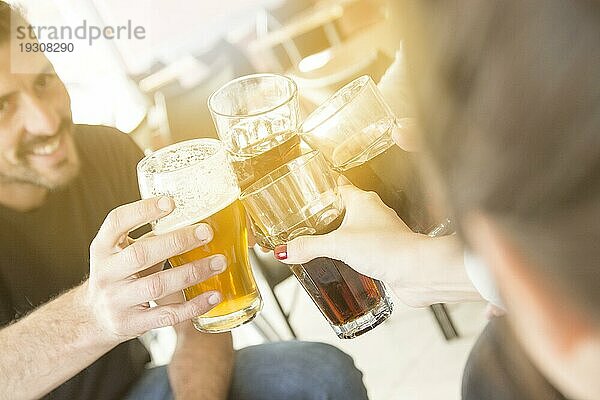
{"points": [[257, 118], [197, 175], [353, 130], [301, 198]]}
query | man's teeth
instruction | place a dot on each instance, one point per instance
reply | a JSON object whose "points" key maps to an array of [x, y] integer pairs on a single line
{"points": [[50, 147]]}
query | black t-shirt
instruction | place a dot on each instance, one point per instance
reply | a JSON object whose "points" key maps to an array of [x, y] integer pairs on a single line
{"points": [[46, 251]]}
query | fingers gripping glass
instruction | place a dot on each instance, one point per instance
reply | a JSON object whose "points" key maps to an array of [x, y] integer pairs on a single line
{"points": [[301, 198], [197, 175]]}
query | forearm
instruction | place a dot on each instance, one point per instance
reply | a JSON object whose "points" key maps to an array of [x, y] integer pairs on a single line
{"points": [[49, 346], [439, 275], [202, 364]]}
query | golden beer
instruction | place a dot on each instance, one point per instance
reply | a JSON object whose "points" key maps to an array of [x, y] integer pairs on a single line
{"points": [[198, 176], [240, 297]]}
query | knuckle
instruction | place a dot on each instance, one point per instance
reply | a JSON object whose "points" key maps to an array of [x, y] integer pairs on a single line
{"points": [[187, 276], [155, 287], [196, 308], [390, 212], [94, 246], [167, 317], [135, 254], [123, 325], [97, 281], [178, 242], [300, 246], [113, 219], [371, 196], [194, 275], [146, 209], [125, 328]]}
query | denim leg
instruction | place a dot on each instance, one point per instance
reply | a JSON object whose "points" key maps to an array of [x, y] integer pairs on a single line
{"points": [[276, 371], [498, 369], [295, 371]]}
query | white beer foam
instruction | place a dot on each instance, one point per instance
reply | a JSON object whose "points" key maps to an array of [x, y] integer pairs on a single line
{"points": [[196, 174]]}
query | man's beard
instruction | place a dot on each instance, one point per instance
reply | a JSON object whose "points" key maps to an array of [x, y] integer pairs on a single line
{"points": [[23, 173]]}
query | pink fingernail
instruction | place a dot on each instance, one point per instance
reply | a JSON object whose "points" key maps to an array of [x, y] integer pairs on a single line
{"points": [[281, 252]]}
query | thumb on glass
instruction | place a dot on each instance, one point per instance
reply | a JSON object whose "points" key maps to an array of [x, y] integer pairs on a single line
{"points": [[304, 248]]}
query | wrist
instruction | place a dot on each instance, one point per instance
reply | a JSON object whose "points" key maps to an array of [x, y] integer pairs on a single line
{"points": [[409, 270], [92, 317], [439, 274], [420, 278]]}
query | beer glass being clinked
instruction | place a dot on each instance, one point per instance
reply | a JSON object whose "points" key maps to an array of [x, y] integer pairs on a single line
{"points": [[301, 198], [197, 175], [257, 118], [353, 130]]}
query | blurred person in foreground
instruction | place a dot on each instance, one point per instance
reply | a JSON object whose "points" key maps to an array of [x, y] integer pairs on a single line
{"points": [[508, 99], [72, 305]]}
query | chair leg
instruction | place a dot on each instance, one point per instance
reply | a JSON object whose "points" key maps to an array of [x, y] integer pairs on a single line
{"points": [[285, 316], [294, 300], [266, 330], [442, 317]]}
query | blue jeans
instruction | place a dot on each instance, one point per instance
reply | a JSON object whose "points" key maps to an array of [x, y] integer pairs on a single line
{"points": [[282, 370]]}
